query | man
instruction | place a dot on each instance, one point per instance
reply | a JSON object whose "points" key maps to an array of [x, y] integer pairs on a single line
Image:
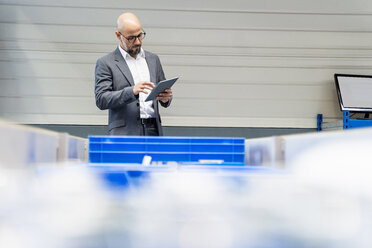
{"points": [[123, 80]]}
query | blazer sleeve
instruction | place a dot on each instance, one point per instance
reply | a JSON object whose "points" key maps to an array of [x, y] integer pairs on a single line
{"points": [[161, 77], [106, 96]]}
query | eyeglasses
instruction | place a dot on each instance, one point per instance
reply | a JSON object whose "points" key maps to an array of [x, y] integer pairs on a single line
{"points": [[132, 39]]}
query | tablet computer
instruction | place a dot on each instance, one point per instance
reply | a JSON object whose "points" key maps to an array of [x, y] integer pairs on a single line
{"points": [[160, 87]]}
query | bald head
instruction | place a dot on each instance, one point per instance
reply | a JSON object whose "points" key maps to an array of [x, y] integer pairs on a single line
{"points": [[129, 32], [128, 21]]}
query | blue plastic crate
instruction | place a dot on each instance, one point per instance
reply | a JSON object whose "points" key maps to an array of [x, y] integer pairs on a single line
{"points": [[132, 149]]}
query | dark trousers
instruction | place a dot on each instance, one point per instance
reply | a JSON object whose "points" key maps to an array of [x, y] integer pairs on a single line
{"points": [[149, 127]]}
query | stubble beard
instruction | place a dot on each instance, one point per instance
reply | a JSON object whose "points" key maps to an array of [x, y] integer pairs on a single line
{"points": [[131, 51]]}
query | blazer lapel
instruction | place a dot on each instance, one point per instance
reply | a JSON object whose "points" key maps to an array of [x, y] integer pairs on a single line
{"points": [[123, 67], [151, 63]]}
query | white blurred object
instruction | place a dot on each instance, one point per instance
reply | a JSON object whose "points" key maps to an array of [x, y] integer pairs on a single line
{"points": [[263, 151], [58, 208], [146, 161], [22, 145], [211, 161], [338, 165], [293, 145], [71, 148], [324, 202], [340, 162]]}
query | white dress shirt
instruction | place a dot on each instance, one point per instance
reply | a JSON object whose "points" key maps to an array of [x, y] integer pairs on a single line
{"points": [[140, 72]]}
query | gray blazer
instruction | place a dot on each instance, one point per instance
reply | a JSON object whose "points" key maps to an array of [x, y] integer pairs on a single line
{"points": [[114, 91]]}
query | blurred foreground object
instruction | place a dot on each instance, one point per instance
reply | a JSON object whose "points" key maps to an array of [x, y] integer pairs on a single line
{"points": [[22, 145]]}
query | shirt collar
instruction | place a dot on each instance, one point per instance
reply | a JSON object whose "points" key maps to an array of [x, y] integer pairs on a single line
{"points": [[126, 55]]}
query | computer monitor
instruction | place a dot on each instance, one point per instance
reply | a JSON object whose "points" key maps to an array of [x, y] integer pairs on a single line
{"points": [[354, 92]]}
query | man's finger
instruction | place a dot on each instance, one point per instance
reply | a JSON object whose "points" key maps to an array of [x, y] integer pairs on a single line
{"points": [[147, 87], [149, 84], [144, 91]]}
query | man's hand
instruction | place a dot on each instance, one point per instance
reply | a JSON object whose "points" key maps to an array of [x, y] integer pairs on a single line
{"points": [[143, 87], [165, 96]]}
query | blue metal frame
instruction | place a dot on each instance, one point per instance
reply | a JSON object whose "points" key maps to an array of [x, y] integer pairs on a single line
{"points": [[319, 122], [350, 123], [347, 122]]}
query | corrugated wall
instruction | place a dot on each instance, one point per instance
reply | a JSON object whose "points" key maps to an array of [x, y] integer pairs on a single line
{"points": [[242, 63]]}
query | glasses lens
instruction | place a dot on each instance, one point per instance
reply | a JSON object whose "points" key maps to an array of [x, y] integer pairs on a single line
{"points": [[133, 38]]}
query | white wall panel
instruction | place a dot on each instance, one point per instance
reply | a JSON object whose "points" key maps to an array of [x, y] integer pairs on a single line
{"points": [[286, 6], [82, 16], [251, 64]]}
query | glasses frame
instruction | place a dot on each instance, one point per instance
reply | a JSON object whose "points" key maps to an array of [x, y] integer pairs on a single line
{"points": [[133, 38]]}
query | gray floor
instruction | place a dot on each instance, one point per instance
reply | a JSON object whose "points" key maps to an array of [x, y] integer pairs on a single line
{"points": [[85, 131]]}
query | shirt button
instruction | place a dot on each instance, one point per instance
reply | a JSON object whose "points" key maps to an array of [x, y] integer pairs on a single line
{"points": [[137, 104]]}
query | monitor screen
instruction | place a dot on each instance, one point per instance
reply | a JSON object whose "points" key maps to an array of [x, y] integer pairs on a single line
{"points": [[354, 92]]}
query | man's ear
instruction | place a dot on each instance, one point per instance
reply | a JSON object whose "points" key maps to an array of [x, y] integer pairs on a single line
{"points": [[118, 35]]}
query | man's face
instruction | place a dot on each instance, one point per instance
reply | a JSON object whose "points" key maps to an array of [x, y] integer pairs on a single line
{"points": [[131, 41]]}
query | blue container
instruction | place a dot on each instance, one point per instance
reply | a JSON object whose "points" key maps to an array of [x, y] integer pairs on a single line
{"points": [[132, 149]]}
